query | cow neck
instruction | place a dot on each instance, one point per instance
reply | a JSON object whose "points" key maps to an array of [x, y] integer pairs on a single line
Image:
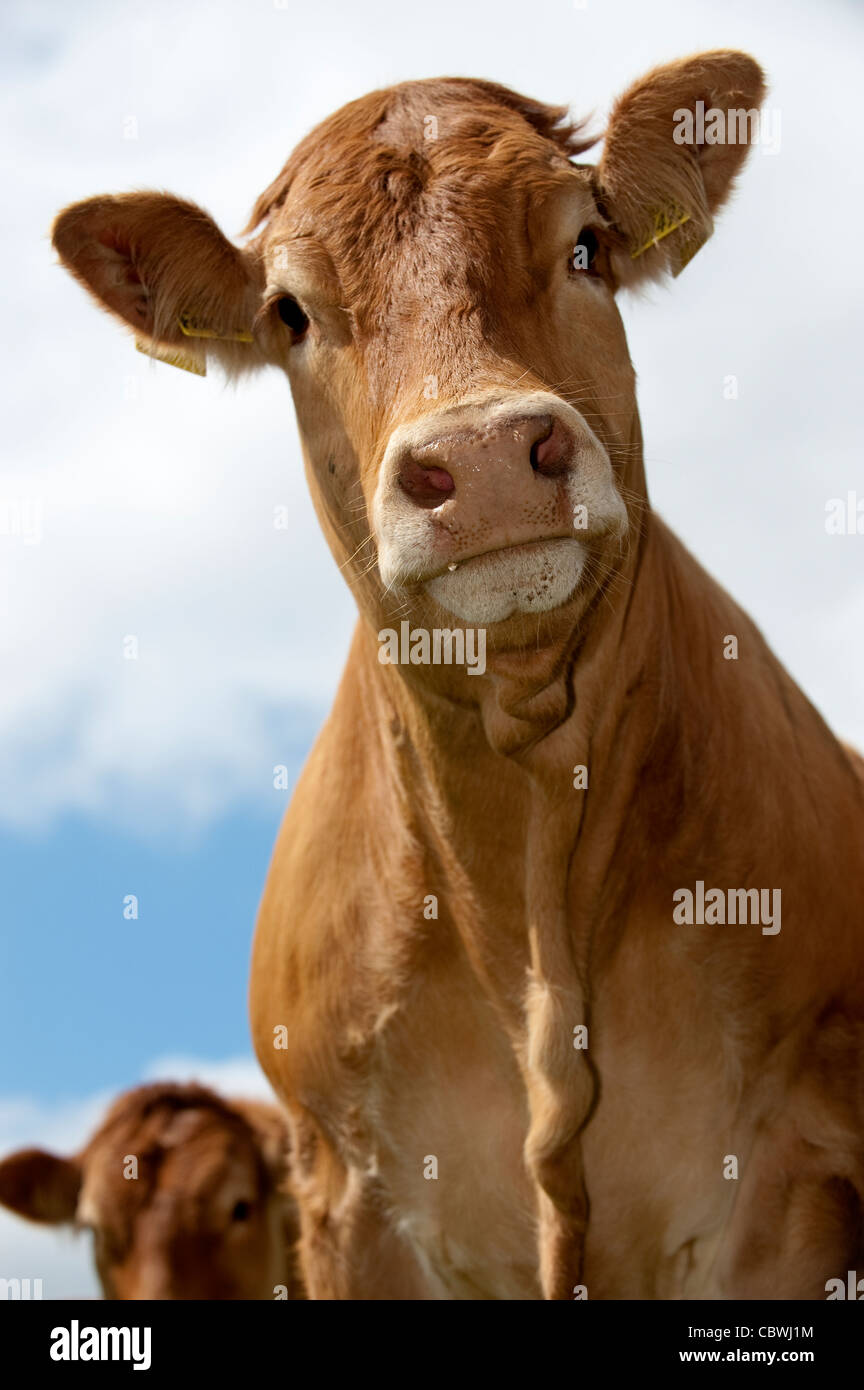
{"points": [[503, 814], [520, 857]]}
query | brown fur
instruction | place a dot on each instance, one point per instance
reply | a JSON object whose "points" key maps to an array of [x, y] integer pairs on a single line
{"points": [[210, 1213], [451, 1037]]}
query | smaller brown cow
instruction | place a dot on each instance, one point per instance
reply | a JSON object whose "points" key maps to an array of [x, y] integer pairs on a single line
{"points": [[186, 1195]]}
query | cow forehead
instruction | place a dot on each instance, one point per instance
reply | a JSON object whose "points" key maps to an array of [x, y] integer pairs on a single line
{"points": [[415, 182], [190, 1156]]}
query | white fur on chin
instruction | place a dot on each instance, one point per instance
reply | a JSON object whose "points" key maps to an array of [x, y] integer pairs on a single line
{"points": [[525, 579]]}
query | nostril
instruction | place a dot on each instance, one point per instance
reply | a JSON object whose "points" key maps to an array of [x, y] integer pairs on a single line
{"points": [[550, 453], [428, 487]]}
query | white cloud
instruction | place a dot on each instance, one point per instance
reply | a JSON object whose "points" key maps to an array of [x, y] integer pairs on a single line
{"points": [[239, 1076], [60, 1257], [157, 489]]}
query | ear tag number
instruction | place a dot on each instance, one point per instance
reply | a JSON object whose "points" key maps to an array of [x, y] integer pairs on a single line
{"points": [[666, 221]]}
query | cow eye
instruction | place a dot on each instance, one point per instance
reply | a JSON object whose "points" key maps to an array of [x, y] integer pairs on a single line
{"points": [[292, 316], [585, 251], [242, 1211]]}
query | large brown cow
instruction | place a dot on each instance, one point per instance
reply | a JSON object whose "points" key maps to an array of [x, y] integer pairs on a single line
{"points": [[524, 1051], [187, 1196]]}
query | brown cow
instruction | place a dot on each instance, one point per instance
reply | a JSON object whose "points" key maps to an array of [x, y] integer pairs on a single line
{"points": [[187, 1196], [524, 1051]]}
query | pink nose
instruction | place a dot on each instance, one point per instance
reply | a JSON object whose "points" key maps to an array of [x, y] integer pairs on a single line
{"points": [[511, 462]]}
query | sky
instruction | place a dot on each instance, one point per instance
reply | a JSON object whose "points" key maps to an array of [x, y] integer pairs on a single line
{"points": [[136, 500]]}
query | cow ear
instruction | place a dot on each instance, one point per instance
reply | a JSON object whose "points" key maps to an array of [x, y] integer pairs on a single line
{"points": [[163, 267], [40, 1186], [668, 163]]}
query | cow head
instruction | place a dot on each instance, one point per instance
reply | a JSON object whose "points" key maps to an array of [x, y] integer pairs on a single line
{"points": [[182, 1191], [436, 273]]}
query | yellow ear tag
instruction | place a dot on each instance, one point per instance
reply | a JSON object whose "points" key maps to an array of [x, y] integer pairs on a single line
{"points": [[689, 246], [191, 329], [173, 358], [663, 226], [666, 221]]}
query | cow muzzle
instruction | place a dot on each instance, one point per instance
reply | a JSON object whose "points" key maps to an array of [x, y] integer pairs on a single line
{"points": [[494, 507]]}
